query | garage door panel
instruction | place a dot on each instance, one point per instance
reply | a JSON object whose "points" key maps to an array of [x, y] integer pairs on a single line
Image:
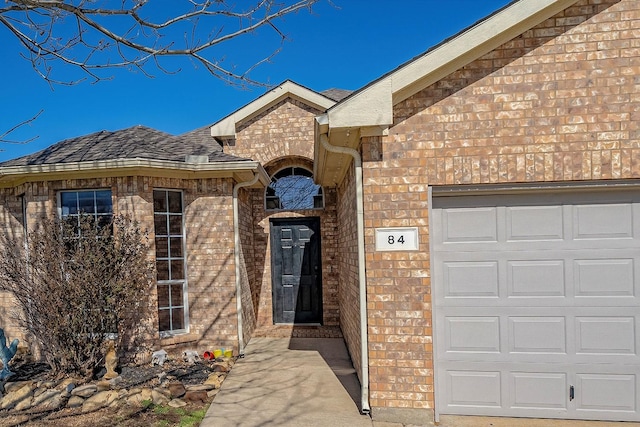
{"points": [[606, 392], [536, 278], [470, 225], [604, 277], [470, 279], [605, 335], [472, 334], [535, 223], [461, 388], [539, 390], [603, 221], [542, 334]]}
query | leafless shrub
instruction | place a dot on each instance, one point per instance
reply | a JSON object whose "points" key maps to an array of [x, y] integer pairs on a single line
{"points": [[77, 284]]}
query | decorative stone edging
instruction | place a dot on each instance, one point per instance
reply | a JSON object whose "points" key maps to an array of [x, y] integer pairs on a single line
{"points": [[47, 396]]}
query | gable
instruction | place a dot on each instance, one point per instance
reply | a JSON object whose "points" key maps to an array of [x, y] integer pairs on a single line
{"points": [[227, 127], [440, 61], [370, 111], [283, 130]]}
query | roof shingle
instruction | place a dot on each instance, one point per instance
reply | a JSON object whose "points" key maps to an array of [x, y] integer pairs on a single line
{"points": [[130, 143]]}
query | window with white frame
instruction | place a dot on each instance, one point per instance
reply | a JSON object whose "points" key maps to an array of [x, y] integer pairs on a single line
{"points": [[94, 203], [170, 261]]}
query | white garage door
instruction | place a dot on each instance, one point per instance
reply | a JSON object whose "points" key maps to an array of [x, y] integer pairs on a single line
{"points": [[536, 304]]}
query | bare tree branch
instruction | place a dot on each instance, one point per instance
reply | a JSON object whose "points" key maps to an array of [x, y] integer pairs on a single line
{"points": [[94, 36], [3, 136]]}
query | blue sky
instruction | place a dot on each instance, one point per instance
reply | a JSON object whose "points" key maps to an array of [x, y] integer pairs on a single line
{"points": [[342, 44]]}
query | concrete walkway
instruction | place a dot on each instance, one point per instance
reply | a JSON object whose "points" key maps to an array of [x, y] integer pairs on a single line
{"points": [[289, 382]]}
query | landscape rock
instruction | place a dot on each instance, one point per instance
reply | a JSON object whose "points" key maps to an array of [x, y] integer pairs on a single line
{"points": [[68, 383], [136, 396], [103, 385], [196, 396], [176, 389], [146, 394], [48, 400], [75, 402], [99, 400], [195, 384], [43, 385], [85, 391], [18, 398], [177, 403], [66, 390], [200, 387], [13, 386], [215, 380], [159, 398], [219, 367]]}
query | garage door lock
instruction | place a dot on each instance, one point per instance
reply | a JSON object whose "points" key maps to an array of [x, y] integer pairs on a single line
{"points": [[571, 393]]}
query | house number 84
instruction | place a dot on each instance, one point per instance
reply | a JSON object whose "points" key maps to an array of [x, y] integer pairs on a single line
{"points": [[397, 239], [392, 240]]}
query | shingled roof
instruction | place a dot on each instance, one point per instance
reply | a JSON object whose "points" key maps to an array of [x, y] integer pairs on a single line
{"points": [[336, 94], [137, 142]]}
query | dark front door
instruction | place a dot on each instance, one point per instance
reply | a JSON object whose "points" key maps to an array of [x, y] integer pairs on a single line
{"points": [[296, 270]]}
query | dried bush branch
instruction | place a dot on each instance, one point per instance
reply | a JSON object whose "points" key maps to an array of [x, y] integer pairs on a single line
{"points": [[77, 285]]}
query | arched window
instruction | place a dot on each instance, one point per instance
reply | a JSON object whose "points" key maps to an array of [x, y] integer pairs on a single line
{"points": [[293, 188]]}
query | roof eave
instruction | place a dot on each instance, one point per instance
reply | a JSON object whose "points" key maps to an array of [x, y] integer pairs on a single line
{"points": [[11, 176]]}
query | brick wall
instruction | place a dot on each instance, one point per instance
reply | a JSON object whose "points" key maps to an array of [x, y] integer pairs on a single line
{"points": [[12, 222], [285, 129], [247, 265], [283, 136], [208, 210], [347, 264], [559, 103], [209, 240]]}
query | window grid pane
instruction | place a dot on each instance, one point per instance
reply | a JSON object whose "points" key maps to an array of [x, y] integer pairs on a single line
{"points": [[97, 204], [170, 261]]}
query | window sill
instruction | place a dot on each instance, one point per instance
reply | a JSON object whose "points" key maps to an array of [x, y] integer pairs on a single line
{"points": [[179, 339]]}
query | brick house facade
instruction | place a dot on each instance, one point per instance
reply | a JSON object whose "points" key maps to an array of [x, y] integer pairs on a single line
{"points": [[510, 153]]}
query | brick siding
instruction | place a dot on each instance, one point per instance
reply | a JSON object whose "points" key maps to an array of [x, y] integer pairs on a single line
{"points": [[347, 265]]}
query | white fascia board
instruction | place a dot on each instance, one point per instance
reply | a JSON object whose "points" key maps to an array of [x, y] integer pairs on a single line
{"points": [[373, 105], [226, 128]]}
